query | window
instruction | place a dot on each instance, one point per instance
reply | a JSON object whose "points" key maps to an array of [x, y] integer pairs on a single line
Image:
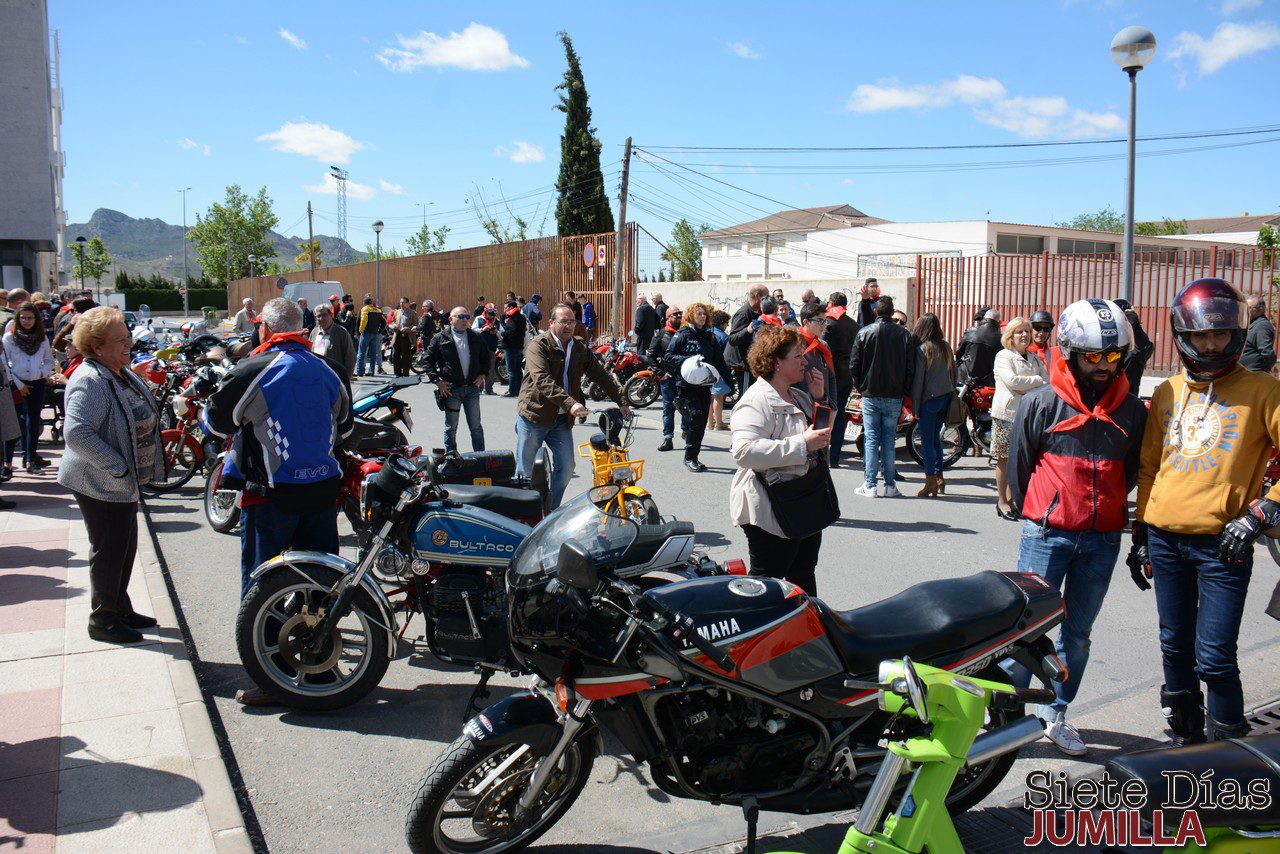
{"points": [[714, 248], [733, 277], [735, 247], [1069, 246], [714, 278], [755, 246], [1158, 254], [777, 245], [778, 276], [1019, 244]]}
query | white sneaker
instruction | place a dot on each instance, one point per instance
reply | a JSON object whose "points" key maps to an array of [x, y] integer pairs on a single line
{"points": [[888, 492], [1065, 736], [866, 491]]}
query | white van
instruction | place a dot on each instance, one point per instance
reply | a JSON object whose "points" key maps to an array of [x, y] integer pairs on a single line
{"points": [[316, 293]]}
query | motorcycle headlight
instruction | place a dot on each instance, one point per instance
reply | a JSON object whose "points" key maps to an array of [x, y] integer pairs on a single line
{"points": [[181, 406]]}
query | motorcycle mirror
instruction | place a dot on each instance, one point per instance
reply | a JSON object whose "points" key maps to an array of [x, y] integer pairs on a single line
{"points": [[576, 567], [915, 690]]}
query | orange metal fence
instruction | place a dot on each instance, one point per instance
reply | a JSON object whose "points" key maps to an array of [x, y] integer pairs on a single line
{"points": [[955, 288]]}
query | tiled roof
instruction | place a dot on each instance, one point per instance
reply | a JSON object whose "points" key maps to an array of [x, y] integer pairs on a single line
{"points": [[800, 219]]}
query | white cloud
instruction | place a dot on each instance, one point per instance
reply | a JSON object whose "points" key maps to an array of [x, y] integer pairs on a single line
{"points": [[846, 181], [1231, 7], [990, 102], [388, 187], [743, 50], [208, 150], [189, 144], [521, 152], [328, 186], [315, 140], [241, 40], [477, 48], [1228, 43], [292, 39]]}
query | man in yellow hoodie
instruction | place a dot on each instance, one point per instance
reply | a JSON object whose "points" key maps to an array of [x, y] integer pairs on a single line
{"points": [[1205, 450]]}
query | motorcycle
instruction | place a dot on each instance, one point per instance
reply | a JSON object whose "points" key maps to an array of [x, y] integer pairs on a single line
{"points": [[186, 447], [741, 691], [397, 419], [972, 432], [610, 463], [855, 431], [621, 360]]}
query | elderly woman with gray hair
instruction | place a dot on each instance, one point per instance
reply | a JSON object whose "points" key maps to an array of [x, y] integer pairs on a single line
{"points": [[113, 446]]}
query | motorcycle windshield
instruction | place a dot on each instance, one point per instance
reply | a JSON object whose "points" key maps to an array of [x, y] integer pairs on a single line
{"points": [[604, 535]]}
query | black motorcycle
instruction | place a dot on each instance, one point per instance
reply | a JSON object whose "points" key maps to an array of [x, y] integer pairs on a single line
{"points": [[737, 690]]}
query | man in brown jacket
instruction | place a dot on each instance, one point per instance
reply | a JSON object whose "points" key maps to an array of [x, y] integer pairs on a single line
{"points": [[551, 398]]}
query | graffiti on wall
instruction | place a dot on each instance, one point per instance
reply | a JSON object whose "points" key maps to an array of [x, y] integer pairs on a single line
{"points": [[897, 263]]}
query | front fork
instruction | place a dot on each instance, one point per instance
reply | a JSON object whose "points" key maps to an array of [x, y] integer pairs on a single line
{"points": [[344, 592], [574, 721]]}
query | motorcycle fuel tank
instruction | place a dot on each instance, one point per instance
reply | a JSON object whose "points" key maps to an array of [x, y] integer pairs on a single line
{"points": [[467, 535], [769, 627]]}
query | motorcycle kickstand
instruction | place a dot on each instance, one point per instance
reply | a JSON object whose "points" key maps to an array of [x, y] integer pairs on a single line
{"points": [[480, 694], [751, 811]]}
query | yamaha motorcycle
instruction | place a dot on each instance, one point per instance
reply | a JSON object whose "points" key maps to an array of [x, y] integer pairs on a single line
{"points": [[317, 631], [733, 690]]}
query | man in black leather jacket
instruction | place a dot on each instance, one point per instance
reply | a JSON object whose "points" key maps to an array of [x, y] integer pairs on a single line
{"points": [[669, 386], [839, 335], [882, 365], [976, 355]]}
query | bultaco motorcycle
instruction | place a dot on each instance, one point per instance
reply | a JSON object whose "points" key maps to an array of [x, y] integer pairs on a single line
{"points": [[734, 690]]}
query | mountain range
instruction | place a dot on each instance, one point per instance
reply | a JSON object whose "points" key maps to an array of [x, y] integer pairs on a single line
{"points": [[147, 246]]}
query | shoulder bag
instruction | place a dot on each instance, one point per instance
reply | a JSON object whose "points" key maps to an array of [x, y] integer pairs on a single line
{"points": [[805, 505]]}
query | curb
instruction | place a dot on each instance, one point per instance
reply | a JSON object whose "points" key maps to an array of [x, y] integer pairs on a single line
{"points": [[222, 809]]}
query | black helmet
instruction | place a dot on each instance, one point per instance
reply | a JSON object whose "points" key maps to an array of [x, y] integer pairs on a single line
{"points": [[1209, 305], [1041, 316]]}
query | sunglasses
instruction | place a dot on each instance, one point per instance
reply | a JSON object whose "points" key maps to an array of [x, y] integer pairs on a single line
{"points": [[1042, 328], [461, 317], [1111, 357], [899, 321]]}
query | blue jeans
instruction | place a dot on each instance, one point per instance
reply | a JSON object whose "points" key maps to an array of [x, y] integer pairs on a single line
{"points": [[559, 441], [880, 424], [1200, 601], [1079, 564], [29, 420], [841, 422], [931, 417], [669, 387], [266, 531], [515, 368], [369, 352], [464, 397]]}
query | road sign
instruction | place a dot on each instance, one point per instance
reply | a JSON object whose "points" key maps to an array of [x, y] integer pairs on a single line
{"points": [[600, 262], [589, 254], [182, 289], [281, 282]]}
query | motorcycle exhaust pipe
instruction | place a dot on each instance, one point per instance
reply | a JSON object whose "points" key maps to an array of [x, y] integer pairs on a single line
{"points": [[1005, 739]]}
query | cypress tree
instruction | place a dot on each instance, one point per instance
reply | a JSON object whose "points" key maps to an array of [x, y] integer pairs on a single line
{"points": [[582, 206]]}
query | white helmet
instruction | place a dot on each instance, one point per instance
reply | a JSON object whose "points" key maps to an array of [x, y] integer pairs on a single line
{"points": [[1093, 326], [695, 371]]}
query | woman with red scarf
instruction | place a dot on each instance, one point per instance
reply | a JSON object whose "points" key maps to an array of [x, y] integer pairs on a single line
{"points": [[1073, 457], [819, 380]]}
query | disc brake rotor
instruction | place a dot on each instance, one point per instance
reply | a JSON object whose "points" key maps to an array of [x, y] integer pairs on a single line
{"points": [[295, 634], [494, 816]]}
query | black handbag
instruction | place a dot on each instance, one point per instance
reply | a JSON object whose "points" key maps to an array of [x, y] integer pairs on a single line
{"points": [[805, 505]]}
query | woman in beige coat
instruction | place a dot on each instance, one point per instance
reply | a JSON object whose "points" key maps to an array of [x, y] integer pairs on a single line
{"points": [[1017, 372], [773, 438]]}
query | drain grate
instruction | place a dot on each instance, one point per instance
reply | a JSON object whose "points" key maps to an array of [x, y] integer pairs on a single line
{"points": [[1265, 720]]}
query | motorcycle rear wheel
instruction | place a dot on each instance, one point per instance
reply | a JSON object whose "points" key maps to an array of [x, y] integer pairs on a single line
{"points": [[955, 443], [463, 764], [221, 506], [639, 392], [182, 460]]}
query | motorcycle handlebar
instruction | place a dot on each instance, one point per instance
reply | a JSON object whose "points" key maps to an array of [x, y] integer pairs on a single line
{"points": [[683, 629]]}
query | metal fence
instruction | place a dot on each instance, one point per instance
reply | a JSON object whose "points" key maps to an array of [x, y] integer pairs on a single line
{"points": [[955, 288], [549, 266]]}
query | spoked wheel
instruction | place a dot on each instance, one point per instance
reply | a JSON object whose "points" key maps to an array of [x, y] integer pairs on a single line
{"points": [[182, 459], [640, 391], [221, 506], [466, 802], [274, 636], [504, 375], [955, 442], [641, 509], [973, 785]]}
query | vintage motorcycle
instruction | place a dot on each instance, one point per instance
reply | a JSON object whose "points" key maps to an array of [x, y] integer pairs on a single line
{"points": [[610, 463], [741, 691], [621, 360]]}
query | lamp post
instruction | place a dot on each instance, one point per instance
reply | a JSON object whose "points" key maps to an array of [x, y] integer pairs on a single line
{"points": [[185, 276], [377, 263], [80, 251], [1132, 49], [252, 258]]}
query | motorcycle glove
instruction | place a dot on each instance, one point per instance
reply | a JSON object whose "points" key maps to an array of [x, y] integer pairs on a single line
{"points": [[1139, 559], [1239, 535]]}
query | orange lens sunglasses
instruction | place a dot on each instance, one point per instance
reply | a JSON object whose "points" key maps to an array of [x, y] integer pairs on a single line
{"points": [[1112, 356]]}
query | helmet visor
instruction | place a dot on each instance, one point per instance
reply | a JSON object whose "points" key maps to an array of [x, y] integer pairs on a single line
{"points": [[1201, 314]]}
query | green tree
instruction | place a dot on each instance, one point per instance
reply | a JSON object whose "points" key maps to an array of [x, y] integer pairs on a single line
{"points": [[506, 230], [582, 206], [1268, 242], [242, 222], [685, 252], [93, 261], [1165, 226], [308, 253], [122, 281], [1106, 219], [427, 240], [387, 252]]}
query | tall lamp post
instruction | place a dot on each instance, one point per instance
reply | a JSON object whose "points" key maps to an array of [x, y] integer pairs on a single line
{"points": [[1132, 49], [377, 263], [80, 252], [252, 258], [185, 276]]}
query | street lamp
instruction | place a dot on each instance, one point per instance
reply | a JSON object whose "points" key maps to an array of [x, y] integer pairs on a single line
{"points": [[80, 249], [185, 277], [377, 262], [252, 258], [1132, 49]]}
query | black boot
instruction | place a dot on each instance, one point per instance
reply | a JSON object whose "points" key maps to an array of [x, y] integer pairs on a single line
{"points": [[1184, 710], [1222, 732], [666, 444]]}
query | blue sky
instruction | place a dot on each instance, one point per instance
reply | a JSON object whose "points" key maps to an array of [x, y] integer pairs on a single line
{"points": [[421, 101]]}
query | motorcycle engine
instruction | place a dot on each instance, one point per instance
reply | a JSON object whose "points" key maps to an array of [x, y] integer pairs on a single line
{"points": [[468, 617], [729, 742]]}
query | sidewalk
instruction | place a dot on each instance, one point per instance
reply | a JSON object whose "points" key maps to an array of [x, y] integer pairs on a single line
{"points": [[102, 748]]}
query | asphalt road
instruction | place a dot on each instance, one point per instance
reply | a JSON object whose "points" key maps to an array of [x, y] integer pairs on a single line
{"points": [[343, 780]]}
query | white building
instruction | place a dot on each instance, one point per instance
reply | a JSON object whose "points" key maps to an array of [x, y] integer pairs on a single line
{"points": [[841, 242], [1228, 229]]}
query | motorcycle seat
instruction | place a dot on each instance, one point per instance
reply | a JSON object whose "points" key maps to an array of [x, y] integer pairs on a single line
{"points": [[924, 621], [1240, 759], [503, 500], [368, 435], [649, 542]]}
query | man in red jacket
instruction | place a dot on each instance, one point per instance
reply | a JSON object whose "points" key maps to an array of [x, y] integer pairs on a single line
{"points": [[1073, 457]]}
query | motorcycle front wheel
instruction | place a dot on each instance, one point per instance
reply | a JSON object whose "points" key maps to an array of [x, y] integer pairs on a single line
{"points": [[451, 814], [504, 375], [183, 457], [639, 391], [273, 628], [955, 442], [221, 506], [641, 509]]}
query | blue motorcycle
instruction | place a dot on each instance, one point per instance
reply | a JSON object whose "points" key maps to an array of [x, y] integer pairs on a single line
{"points": [[318, 631]]}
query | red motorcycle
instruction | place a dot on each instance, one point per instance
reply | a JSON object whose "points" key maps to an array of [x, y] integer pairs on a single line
{"points": [[623, 361], [973, 431], [186, 447], [855, 431]]}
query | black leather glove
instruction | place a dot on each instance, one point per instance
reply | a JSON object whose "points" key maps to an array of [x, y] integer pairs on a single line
{"points": [[1239, 535], [1139, 560]]}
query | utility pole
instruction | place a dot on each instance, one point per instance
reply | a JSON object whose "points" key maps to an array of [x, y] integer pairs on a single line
{"points": [[311, 243], [228, 260], [620, 241], [185, 276]]}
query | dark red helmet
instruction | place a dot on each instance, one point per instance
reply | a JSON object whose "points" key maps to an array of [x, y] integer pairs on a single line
{"points": [[1209, 305]]}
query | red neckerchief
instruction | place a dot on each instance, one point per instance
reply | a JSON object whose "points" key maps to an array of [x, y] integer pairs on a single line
{"points": [[1064, 383], [72, 364], [510, 312], [771, 319], [283, 338], [815, 343], [835, 312], [1037, 349], [672, 329]]}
